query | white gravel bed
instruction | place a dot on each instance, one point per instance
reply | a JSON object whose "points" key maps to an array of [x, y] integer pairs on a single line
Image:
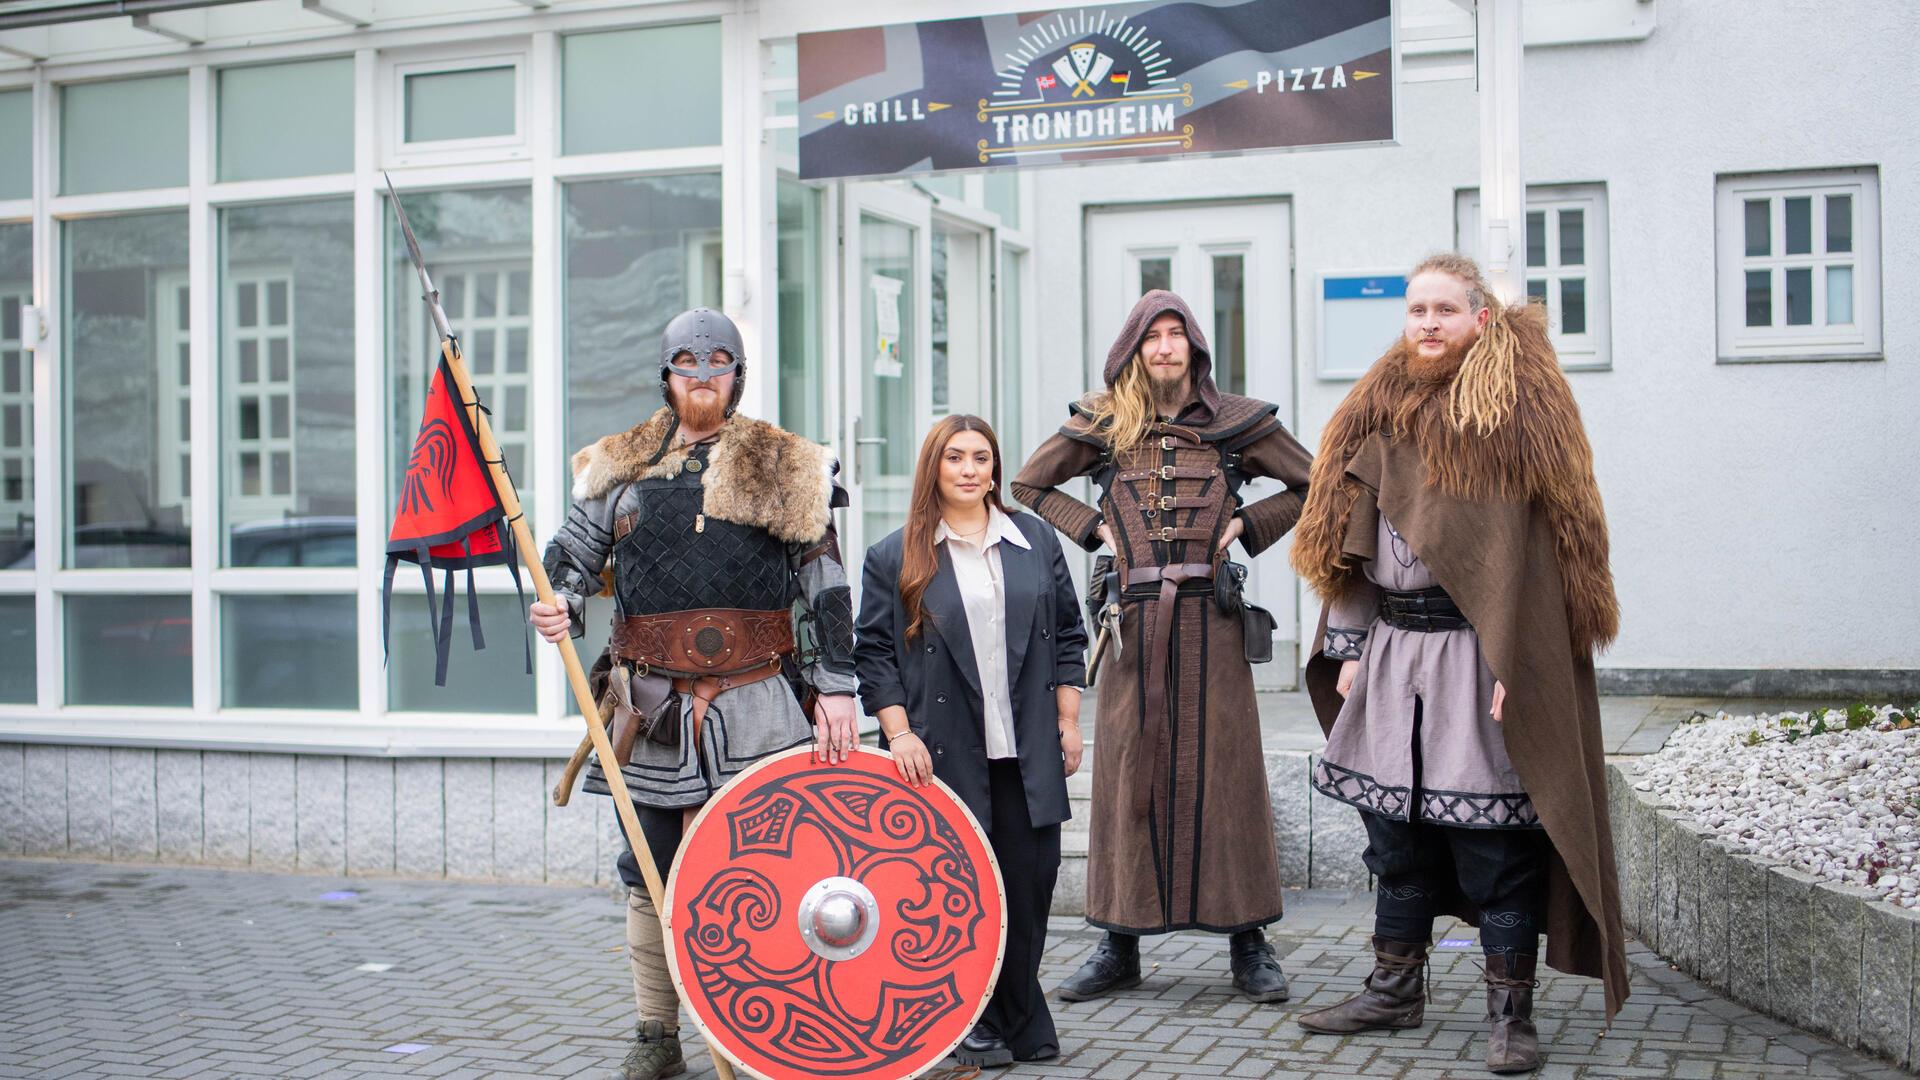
{"points": [[1842, 804]]}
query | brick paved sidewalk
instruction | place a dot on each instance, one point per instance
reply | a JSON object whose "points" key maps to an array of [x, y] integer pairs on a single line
{"points": [[119, 971]]}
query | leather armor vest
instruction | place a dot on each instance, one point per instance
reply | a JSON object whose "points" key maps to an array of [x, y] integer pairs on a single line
{"points": [[669, 556]]}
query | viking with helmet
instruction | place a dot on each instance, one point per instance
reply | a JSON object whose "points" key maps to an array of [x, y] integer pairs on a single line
{"points": [[707, 526]]}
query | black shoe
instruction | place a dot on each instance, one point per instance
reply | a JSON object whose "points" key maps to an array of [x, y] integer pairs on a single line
{"points": [[1255, 972], [1114, 965], [983, 1048], [655, 1053]]}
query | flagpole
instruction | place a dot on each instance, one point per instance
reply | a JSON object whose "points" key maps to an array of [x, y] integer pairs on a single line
{"points": [[576, 675]]}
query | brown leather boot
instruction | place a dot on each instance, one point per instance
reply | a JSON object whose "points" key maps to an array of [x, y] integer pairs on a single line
{"points": [[1395, 997], [1513, 1044]]}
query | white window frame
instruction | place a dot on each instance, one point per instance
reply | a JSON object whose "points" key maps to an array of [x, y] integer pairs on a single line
{"points": [[403, 153], [1593, 349], [173, 447], [1740, 343], [265, 502]]}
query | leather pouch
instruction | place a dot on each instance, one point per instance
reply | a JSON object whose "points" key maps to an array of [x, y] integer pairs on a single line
{"points": [[1256, 632], [645, 706]]}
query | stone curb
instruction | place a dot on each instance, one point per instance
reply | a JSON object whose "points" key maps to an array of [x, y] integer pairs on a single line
{"points": [[1829, 958]]}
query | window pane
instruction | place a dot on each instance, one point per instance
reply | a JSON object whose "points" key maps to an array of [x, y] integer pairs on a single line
{"points": [[1799, 225], [937, 352], [1003, 196], [803, 391], [289, 652], [257, 141], [129, 650], [126, 286], [1839, 296], [1012, 363], [1537, 290], [16, 133], [1573, 238], [1839, 223], [1536, 238], [1229, 333], [491, 680], [291, 266], [890, 363], [119, 136], [635, 258], [466, 236], [604, 74], [473, 104], [17, 656], [1759, 228], [947, 187], [1156, 274], [1800, 297], [16, 400], [1573, 306], [1759, 298]]}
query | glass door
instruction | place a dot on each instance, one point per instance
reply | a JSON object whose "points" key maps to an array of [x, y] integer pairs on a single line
{"points": [[889, 326]]}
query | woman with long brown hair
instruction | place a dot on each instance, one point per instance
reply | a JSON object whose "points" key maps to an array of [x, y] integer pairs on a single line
{"points": [[970, 651]]}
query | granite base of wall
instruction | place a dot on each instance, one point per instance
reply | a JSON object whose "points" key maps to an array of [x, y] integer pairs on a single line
{"points": [[483, 819], [475, 819], [1829, 958]]}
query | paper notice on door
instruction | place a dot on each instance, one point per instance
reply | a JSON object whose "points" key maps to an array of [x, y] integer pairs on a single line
{"points": [[886, 327]]}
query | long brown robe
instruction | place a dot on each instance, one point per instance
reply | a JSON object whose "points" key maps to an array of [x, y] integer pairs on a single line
{"points": [[1181, 829], [1511, 525]]}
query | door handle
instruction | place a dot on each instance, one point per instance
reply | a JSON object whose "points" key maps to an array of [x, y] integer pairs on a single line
{"points": [[871, 440]]}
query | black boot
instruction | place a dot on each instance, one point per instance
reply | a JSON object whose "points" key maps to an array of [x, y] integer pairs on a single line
{"points": [[655, 1053], [984, 1048], [1114, 965], [1255, 972]]}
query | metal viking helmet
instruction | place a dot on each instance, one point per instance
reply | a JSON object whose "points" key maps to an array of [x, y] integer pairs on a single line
{"points": [[698, 333]]}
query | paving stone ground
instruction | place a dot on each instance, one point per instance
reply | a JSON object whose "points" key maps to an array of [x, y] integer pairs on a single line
{"points": [[125, 971]]}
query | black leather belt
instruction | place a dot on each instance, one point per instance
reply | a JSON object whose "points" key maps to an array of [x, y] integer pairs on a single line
{"points": [[1426, 611]]}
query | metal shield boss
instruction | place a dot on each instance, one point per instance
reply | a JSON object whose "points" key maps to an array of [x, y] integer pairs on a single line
{"points": [[830, 920]]}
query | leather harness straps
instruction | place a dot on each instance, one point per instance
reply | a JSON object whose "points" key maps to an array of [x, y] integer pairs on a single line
{"points": [[1170, 577]]}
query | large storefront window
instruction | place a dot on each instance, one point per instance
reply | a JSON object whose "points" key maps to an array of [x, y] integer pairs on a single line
{"points": [[129, 650], [639, 252], [127, 391], [257, 142], [286, 384], [16, 399], [122, 136], [803, 377], [288, 652], [17, 653]]}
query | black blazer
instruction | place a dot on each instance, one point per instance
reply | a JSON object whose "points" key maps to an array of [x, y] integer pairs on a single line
{"points": [[936, 678]]}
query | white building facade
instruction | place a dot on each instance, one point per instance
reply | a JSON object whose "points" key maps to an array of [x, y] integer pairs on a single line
{"points": [[212, 357]]}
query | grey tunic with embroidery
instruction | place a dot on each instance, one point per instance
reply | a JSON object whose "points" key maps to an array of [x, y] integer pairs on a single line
{"points": [[743, 724], [1465, 777]]}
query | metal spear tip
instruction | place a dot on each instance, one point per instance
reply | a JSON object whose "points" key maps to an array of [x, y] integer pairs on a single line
{"points": [[427, 292]]}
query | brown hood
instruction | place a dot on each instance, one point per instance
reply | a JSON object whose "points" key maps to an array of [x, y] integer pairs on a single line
{"points": [[1127, 345]]}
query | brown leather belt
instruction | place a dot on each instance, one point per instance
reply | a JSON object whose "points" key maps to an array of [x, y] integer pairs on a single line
{"points": [[707, 687], [1170, 577], [714, 641]]}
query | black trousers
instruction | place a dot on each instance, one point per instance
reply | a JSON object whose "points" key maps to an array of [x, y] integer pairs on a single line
{"points": [[662, 828], [1501, 872], [1029, 861]]}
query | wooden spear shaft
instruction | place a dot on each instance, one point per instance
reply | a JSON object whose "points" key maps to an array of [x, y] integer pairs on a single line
{"points": [[576, 675]]}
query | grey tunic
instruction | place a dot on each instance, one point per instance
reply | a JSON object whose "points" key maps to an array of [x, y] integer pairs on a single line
{"points": [[1464, 776], [742, 725]]}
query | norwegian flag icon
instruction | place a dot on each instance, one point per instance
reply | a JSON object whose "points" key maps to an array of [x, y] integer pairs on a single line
{"points": [[1047, 82]]}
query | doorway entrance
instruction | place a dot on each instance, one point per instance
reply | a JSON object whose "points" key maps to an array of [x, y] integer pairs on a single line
{"points": [[1232, 263]]}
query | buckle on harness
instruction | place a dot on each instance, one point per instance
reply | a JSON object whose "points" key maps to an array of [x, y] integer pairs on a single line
{"points": [[1166, 502], [1166, 533], [1166, 442], [1166, 471]]}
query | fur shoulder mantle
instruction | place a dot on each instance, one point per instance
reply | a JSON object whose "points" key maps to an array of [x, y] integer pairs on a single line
{"points": [[758, 475]]}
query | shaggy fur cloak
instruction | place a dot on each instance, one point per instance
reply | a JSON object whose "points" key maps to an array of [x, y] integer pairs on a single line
{"points": [[757, 474]]}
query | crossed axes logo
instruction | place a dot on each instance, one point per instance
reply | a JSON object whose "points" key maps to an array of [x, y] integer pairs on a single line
{"points": [[1082, 67]]}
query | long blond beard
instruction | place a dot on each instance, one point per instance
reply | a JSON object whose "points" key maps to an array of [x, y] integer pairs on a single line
{"points": [[701, 413]]}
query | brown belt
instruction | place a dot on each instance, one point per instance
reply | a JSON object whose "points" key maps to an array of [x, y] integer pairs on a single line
{"points": [[716, 641], [707, 687], [1170, 578]]}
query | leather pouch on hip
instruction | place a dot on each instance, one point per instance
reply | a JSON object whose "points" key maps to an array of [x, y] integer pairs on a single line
{"points": [[645, 706], [1228, 586], [1256, 633]]}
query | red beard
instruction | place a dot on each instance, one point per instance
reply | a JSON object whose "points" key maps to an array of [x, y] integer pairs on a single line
{"points": [[700, 412], [1435, 370]]}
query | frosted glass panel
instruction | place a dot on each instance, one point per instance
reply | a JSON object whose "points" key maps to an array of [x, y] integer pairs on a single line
{"points": [[1839, 296], [474, 104], [493, 680], [16, 650], [616, 95], [289, 652], [286, 120], [123, 136], [1003, 197], [16, 134], [129, 650]]}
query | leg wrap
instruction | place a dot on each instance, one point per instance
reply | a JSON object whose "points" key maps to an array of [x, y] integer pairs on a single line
{"points": [[1404, 909], [653, 991]]}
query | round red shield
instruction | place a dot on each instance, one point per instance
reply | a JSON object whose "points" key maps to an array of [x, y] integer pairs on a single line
{"points": [[830, 920]]}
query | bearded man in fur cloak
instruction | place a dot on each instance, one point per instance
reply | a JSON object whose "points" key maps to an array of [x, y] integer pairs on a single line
{"points": [[706, 526], [1455, 532]]}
